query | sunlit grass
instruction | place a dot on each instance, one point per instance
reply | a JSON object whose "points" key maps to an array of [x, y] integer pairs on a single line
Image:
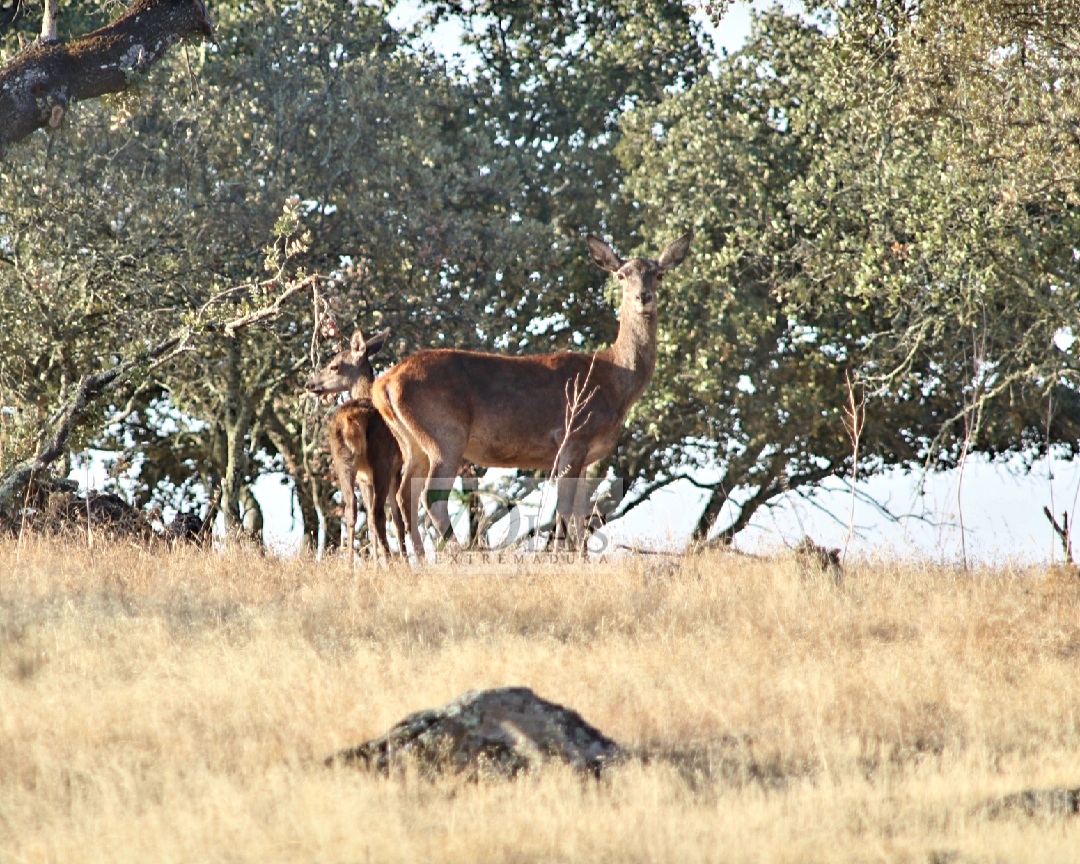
{"points": [[178, 707]]}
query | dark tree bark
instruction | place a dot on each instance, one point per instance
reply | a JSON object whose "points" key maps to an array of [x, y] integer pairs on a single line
{"points": [[39, 84], [238, 422], [770, 486], [717, 499]]}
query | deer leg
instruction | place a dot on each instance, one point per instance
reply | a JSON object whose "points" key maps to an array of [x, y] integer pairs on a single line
{"points": [[408, 495], [387, 482], [572, 496], [440, 481], [348, 493], [570, 513], [580, 510], [395, 512], [375, 504], [568, 469]]}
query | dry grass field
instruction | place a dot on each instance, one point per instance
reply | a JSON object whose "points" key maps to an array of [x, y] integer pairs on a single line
{"points": [[178, 707]]}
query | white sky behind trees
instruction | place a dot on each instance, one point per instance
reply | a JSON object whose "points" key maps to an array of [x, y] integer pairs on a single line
{"points": [[999, 505]]}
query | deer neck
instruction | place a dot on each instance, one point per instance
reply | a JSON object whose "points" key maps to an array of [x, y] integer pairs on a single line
{"points": [[634, 351], [361, 389]]}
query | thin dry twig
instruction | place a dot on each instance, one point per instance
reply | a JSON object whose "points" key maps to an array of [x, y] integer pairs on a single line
{"points": [[854, 422], [578, 396], [576, 401]]}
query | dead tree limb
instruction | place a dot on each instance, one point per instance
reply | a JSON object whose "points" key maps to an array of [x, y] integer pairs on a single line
{"points": [[1062, 531], [41, 82], [63, 421]]}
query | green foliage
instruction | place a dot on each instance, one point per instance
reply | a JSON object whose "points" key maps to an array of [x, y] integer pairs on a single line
{"points": [[144, 211], [972, 201], [835, 239], [888, 199], [997, 80], [553, 81]]}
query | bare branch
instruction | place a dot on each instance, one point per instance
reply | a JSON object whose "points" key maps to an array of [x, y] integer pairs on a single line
{"points": [[576, 401], [647, 491], [271, 311]]}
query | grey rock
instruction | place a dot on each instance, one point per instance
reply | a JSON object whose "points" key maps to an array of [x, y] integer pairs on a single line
{"points": [[1037, 802], [500, 733]]}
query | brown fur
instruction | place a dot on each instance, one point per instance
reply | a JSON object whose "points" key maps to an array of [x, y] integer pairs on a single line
{"points": [[447, 405], [365, 454]]}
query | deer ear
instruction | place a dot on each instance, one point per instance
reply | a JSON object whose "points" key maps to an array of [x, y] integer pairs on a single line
{"points": [[357, 344], [602, 254], [675, 252], [376, 342]]}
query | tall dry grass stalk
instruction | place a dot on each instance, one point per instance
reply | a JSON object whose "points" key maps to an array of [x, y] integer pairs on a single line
{"points": [[178, 707]]}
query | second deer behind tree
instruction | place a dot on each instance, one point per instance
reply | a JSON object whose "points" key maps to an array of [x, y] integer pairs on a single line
{"points": [[362, 448]]}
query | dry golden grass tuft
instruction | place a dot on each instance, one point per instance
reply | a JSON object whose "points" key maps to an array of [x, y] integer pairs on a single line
{"points": [[177, 707]]}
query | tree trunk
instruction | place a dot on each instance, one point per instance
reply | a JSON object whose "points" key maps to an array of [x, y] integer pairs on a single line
{"points": [[332, 516], [48, 22], [253, 515], [239, 417], [39, 84], [307, 491], [717, 499]]}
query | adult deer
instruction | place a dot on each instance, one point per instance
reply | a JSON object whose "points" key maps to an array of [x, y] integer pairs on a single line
{"points": [[362, 448], [445, 405]]}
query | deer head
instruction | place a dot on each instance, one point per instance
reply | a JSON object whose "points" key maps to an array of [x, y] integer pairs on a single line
{"points": [[638, 277], [351, 369]]}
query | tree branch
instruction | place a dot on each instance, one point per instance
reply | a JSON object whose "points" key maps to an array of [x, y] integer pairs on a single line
{"points": [[644, 495], [1062, 531], [91, 387], [39, 84], [774, 485], [271, 311]]}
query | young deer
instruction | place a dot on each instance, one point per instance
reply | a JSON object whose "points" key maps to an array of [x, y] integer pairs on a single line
{"points": [[445, 405], [362, 448]]}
